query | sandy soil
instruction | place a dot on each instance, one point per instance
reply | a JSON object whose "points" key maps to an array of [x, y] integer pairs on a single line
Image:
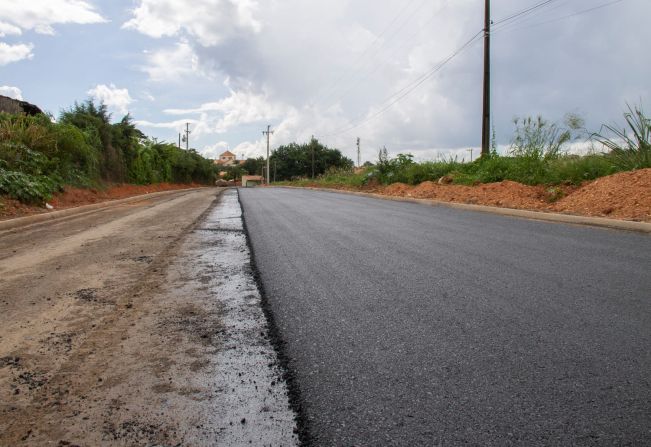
{"points": [[110, 333], [71, 197], [621, 196]]}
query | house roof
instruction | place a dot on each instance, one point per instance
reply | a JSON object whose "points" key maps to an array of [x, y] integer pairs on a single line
{"points": [[227, 154]]}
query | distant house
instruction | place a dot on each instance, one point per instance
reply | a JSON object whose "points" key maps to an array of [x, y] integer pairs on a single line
{"points": [[228, 159], [14, 106]]}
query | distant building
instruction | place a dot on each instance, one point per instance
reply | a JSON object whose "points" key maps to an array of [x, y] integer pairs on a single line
{"points": [[14, 106], [228, 159]]}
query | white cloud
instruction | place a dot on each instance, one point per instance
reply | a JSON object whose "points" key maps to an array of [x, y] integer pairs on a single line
{"points": [[41, 15], [208, 21], [172, 64], [115, 98], [148, 96], [12, 92], [178, 125], [320, 67], [214, 150], [240, 107], [15, 53], [7, 29]]}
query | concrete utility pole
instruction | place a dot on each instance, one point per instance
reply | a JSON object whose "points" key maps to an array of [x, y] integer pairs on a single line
{"points": [[179, 140], [471, 151], [268, 133], [486, 118], [359, 159]]}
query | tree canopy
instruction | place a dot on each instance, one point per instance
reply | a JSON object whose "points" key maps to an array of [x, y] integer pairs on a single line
{"points": [[295, 160]]}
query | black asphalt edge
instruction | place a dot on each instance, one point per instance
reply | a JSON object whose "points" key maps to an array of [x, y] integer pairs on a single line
{"points": [[288, 374]]}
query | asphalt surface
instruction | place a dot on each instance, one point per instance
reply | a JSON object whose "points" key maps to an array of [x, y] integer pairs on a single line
{"points": [[412, 325]]}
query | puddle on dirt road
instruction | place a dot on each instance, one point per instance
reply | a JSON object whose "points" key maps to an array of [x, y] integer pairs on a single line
{"points": [[254, 397]]}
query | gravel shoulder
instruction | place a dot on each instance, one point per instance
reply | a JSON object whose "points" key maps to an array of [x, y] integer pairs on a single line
{"points": [[115, 328]]}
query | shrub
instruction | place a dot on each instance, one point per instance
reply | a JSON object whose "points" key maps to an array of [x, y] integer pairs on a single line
{"points": [[27, 188], [628, 150]]}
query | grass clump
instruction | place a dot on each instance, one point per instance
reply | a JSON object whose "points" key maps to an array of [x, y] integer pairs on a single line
{"points": [[630, 147]]}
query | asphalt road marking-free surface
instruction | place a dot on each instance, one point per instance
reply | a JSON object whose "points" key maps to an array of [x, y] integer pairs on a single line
{"points": [[412, 325]]}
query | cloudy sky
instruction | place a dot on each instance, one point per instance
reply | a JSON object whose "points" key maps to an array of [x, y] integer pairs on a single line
{"points": [[336, 69]]}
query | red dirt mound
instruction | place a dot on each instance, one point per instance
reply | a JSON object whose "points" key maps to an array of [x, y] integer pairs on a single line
{"points": [[396, 189], [626, 195]]}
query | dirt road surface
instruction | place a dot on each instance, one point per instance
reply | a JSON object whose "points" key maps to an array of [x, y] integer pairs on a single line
{"points": [[137, 325]]}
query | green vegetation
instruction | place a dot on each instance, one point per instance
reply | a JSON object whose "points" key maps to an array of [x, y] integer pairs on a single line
{"points": [[538, 155], [83, 148], [293, 162], [629, 151]]}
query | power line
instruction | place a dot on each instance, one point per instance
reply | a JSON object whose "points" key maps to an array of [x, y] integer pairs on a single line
{"points": [[530, 16], [391, 100], [400, 94], [558, 19], [524, 12], [333, 85], [362, 68], [383, 63]]}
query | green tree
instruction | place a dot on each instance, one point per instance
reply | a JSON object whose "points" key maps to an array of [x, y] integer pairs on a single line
{"points": [[295, 160]]}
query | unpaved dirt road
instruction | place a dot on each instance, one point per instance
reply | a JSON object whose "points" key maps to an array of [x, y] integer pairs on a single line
{"points": [[137, 325]]}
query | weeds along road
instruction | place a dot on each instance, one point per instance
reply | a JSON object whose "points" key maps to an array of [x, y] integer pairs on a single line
{"points": [[412, 325], [137, 325]]}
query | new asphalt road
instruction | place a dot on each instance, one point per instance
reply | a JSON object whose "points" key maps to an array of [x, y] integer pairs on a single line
{"points": [[413, 325]]}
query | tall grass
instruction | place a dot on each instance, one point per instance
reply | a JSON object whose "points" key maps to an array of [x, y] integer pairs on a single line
{"points": [[630, 148]]}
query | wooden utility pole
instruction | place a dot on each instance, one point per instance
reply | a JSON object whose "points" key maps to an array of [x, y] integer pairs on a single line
{"points": [[486, 117], [187, 136], [268, 133], [359, 159], [312, 143]]}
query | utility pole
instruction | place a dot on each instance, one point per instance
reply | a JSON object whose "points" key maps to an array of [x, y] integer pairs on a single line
{"points": [[486, 117], [359, 160], [312, 141], [179, 140], [471, 151], [268, 133], [186, 137]]}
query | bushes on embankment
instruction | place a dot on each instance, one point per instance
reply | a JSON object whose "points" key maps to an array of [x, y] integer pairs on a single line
{"points": [[538, 155], [83, 148]]}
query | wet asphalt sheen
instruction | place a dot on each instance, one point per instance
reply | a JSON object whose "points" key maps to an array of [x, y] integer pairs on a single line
{"points": [[413, 325]]}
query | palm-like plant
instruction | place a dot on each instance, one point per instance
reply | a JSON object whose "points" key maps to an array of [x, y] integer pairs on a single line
{"points": [[630, 148]]}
